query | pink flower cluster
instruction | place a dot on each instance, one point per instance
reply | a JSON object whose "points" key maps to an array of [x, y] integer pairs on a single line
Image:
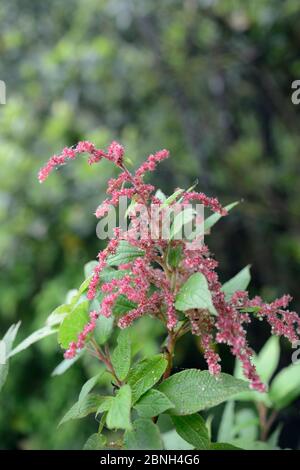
{"points": [[114, 153], [150, 284], [207, 201]]}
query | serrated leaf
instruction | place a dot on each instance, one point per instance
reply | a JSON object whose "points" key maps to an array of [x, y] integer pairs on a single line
{"points": [[214, 218], [125, 253], [285, 387], [152, 403], [145, 374], [193, 390], [145, 435], [121, 355], [192, 429], [83, 408], [239, 282], [95, 442], [195, 294], [73, 324], [118, 416]]}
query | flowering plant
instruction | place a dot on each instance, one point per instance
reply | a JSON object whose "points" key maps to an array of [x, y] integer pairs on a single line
{"points": [[176, 285]]}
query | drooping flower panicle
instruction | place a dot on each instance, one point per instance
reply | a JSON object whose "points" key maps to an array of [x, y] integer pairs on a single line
{"points": [[150, 284]]}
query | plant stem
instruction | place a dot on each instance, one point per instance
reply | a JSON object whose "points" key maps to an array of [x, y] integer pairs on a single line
{"points": [[171, 341], [265, 422], [105, 358]]}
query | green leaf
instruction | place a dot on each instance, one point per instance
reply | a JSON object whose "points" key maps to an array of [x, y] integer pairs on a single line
{"points": [[172, 441], [105, 405], [152, 403], [214, 218], [227, 422], [192, 429], [5, 348], [83, 408], [121, 356], [180, 220], [160, 195], [274, 437], [108, 274], [145, 374], [250, 395], [130, 209], [239, 282], [64, 365], [3, 373], [247, 423], [33, 338], [118, 416], [126, 253], [57, 316], [82, 288], [88, 386], [195, 294], [193, 390], [122, 306], [104, 328], [253, 310], [266, 363], [172, 198], [73, 324], [285, 387], [89, 268], [95, 442], [254, 445], [175, 256], [267, 360], [145, 435], [10, 336], [223, 446]]}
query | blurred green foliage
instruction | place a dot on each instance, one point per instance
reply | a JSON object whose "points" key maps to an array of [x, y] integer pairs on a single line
{"points": [[208, 79]]}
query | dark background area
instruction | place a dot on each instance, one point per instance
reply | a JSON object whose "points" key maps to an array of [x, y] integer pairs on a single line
{"points": [[209, 80]]}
